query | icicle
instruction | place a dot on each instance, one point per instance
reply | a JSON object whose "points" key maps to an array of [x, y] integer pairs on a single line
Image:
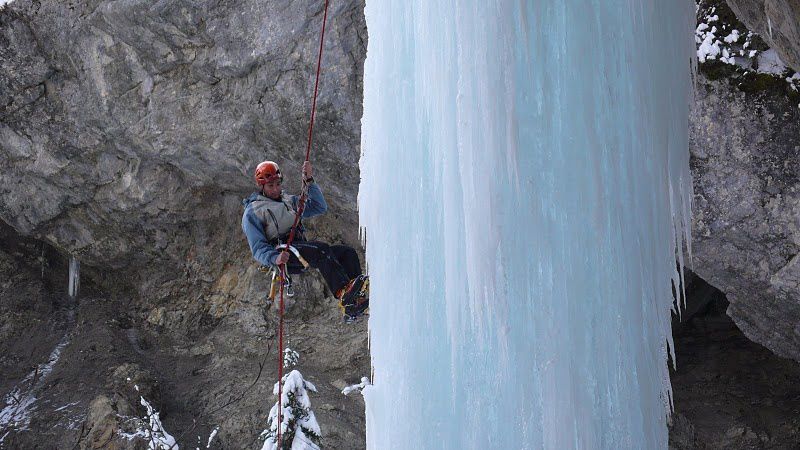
{"points": [[74, 277], [769, 25]]}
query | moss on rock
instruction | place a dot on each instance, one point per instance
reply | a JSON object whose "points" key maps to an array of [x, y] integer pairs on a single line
{"points": [[751, 82]]}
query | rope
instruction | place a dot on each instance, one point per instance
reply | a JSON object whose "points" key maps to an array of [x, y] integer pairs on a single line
{"points": [[301, 203], [280, 361]]}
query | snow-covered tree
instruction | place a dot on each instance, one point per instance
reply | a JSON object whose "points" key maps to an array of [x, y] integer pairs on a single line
{"points": [[299, 427]]}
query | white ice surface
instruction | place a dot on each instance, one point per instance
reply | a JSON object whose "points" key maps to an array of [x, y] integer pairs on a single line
{"points": [[525, 184]]}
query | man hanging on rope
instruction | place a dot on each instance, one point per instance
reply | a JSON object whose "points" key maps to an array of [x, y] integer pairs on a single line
{"points": [[268, 218]]}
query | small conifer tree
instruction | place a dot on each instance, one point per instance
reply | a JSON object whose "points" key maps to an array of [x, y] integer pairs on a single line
{"points": [[299, 427]]}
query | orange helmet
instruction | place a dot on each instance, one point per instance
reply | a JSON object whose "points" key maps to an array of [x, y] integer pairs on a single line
{"points": [[266, 172]]}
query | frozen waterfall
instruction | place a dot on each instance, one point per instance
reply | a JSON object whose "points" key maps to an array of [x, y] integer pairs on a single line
{"points": [[526, 194]]}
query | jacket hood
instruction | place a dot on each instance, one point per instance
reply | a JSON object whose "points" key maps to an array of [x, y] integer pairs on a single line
{"points": [[253, 197], [256, 196]]}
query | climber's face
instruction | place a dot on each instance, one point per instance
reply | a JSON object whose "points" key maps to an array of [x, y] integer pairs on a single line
{"points": [[272, 189]]}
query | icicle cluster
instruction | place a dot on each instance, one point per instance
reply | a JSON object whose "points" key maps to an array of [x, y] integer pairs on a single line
{"points": [[526, 190]]}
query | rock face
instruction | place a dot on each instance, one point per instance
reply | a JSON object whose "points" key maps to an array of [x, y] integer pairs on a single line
{"points": [[129, 130], [777, 21], [745, 157]]}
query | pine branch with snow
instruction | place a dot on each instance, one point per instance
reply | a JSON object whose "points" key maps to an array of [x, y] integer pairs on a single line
{"points": [[150, 429], [290, 358], [155, 434], [299, 427]]}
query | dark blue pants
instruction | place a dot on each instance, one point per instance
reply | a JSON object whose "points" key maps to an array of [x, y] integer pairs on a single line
{"points": [[338, 263]]}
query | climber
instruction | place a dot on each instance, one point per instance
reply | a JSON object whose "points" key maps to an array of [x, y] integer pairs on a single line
{"points": [[267, 220]]}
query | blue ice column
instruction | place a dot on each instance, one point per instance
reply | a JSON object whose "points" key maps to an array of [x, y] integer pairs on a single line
{"points": [[526, 195]]}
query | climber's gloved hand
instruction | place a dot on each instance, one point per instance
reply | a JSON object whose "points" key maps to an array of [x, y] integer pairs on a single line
{"points": [[308, 172], [282, 258]]}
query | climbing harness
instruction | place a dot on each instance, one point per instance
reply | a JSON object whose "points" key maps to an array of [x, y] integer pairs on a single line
{"points": [[288, 246], [276, 275]]}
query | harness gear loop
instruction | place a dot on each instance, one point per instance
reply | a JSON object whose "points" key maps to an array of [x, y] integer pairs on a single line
{"points": [[276, 277], [301, 203]]}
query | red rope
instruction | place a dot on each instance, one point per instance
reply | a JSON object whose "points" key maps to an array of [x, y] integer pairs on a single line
{"points": [[301, 204], [316, 83], [280, 359]]}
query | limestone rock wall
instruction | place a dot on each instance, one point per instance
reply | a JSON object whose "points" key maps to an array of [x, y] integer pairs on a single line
{"points": [[129, 129], [745, 160], [777, 21]]}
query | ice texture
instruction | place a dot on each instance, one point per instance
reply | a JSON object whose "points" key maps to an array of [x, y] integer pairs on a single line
{"points": [[74, 282], [525, 195]]}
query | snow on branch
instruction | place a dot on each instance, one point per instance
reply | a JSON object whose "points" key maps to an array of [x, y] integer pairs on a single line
{"points": [[299, 427], [357, 387], [152, 430]]}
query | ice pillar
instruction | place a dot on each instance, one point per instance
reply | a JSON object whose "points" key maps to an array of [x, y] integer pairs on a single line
{"points": [[525, 190]]}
